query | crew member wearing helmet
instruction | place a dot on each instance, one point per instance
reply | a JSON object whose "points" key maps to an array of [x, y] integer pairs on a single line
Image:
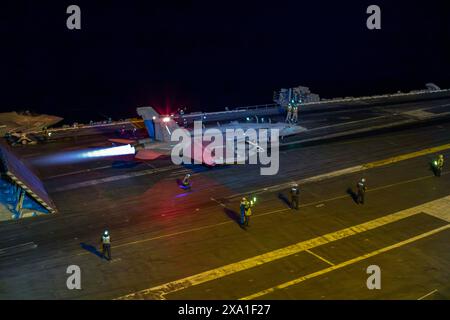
{"points": [[106, 244], [361, 187], [295, 194], [439, 164], [289, 113], [242, 207], [186, 181], [248, 211], [294, 117]]}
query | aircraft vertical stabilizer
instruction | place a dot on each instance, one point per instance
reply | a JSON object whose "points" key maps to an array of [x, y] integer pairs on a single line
{"points": [[159, 127]]}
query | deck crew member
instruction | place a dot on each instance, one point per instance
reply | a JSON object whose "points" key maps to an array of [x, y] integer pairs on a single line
{"points": [[361, 187], [439, 164], [186, 181], [106, 244], [242, 207], [295, 194], [248, 212], [289, 113], [294, 114]]}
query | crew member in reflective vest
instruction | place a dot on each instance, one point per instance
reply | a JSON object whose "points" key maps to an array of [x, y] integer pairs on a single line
{"points": [[186, 181], [439, 164], [248, 212], [361, 186], [106, 243], [289, 113], [295, 194], [294, 114], [242, 207]]}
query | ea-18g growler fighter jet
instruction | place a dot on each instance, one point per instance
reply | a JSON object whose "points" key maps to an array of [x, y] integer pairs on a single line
{"points": [[160, 129]]}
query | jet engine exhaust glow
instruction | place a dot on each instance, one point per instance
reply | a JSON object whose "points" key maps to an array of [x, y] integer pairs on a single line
{"points": [[108, 152], [83, 155]]}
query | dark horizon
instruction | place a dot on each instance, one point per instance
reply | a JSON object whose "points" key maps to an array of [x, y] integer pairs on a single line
{"points": [[169, 54]]}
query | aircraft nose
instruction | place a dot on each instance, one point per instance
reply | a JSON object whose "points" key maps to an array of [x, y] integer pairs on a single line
{"points": [[55, 118]]}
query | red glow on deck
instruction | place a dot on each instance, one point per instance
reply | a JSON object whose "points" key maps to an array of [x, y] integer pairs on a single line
{"points": [[166, 201]]}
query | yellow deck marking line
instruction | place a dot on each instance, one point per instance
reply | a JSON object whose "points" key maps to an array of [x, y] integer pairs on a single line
{"points": [[263, 214], [170, 287], [312, 179], [406, 156], [350, 170], [319, 257], [441, 212], [346, 263]]}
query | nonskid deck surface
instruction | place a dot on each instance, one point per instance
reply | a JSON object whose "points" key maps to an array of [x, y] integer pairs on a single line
{"points": [[162, 234]]}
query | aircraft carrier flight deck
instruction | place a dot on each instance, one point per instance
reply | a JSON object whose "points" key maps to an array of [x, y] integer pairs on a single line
{"points": [[172, 243]]}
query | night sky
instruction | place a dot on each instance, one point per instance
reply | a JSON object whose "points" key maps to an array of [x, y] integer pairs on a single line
{"points": [[213, 54]]}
